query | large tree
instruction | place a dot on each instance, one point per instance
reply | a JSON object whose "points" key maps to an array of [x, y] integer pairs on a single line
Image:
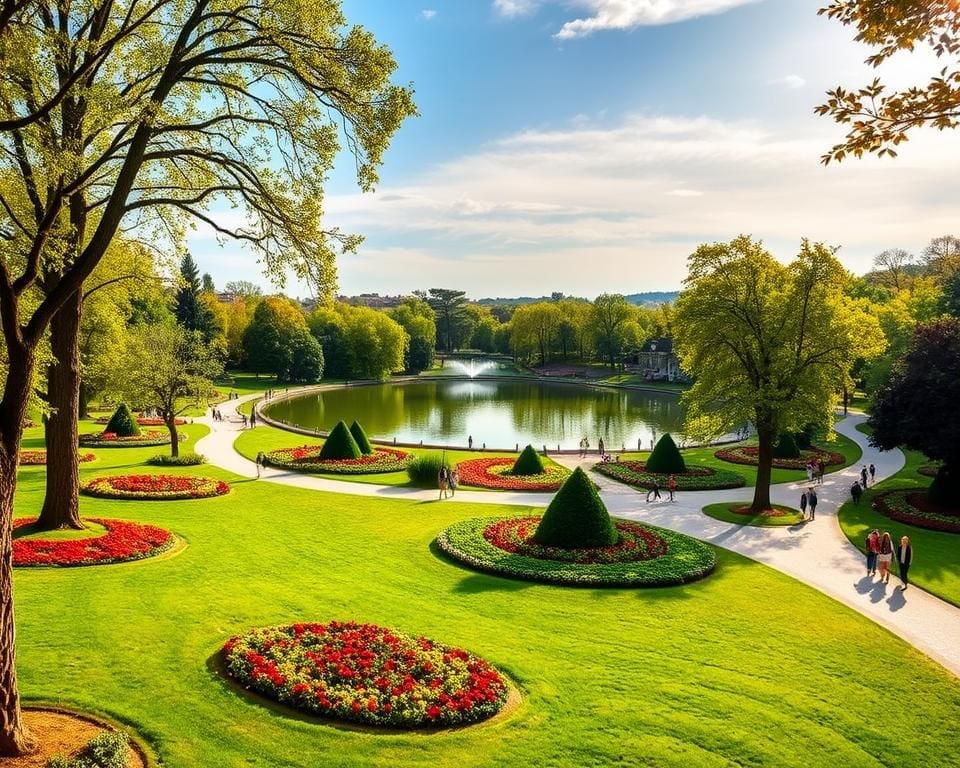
{"points": [[189, 310], [453, 322], [615, 325], [880, 119], [419, 321], [919, 406], [767, 343], [534, 329], [268, 339], [185, 103]]}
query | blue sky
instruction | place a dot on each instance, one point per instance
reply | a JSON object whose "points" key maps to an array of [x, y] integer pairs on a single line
{"points": [[589, 145]]}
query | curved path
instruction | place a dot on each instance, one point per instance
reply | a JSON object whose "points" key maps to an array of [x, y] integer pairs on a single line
{"points": [[816, 553]]}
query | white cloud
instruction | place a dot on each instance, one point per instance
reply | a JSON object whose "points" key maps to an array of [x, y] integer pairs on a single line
{"points": [[685, 193], [790, 81], [627, 14], [428, 13], [514, 8]]}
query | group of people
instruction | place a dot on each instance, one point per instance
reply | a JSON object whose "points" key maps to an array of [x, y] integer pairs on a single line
{"points": [[859, 486], [881, 551], [808, 499], [653, 492], [216, 415], [815, 470], [448, 478]]}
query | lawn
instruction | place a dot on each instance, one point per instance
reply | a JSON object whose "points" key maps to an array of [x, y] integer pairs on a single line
{"points": [[720, 672], [936, 559], [723, 511]]}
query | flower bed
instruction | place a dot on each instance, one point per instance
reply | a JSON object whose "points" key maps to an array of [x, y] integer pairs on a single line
{"points": [[749, 454], [305, 458], [159, 487], [145, 421], [366, 674], [644, 556], [39, 458], [496, 473], [911, 505], [123, 541], [929, 470], [739, 512], [694, 479], [111, 440]]}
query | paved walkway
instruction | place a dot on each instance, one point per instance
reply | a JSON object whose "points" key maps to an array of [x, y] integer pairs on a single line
{"points": [[816, 553]]}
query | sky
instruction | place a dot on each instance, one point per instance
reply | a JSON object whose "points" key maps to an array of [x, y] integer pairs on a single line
{"points": [[589, 146]]}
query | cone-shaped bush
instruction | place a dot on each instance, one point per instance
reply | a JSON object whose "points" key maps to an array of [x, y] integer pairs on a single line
{"points": [[666, 457], [361, 437], [786, 447], [576, 518], [528, 462], [122, 423], [340, 444]]}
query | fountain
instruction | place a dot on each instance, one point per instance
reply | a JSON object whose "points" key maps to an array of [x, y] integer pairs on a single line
{"points": [[473, 368]]}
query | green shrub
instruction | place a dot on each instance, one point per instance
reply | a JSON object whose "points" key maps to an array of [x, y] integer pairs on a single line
{"points": [[106, 750], [666, 457], [183, 460], [786, 447], [576, 518], [340, 444], [804, 437], [361, 437], [945, 489], [528, 463], [424, 469], [122, 423]]}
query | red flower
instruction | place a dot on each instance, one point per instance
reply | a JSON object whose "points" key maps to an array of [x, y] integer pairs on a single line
{"points": [[124, 540]]}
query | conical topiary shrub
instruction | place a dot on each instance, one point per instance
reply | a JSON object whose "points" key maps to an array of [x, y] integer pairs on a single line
{"points": [[122, 423], [361, 437], [528, 463], [786, 447], [340, 444], [666, 457], [577, 517]]}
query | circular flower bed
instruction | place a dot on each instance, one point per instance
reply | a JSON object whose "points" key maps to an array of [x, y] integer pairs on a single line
{"points": [[694, 479], [111, 440], [123, 541], [910, 505], [366, 674], [39, 458], [496, 473], [644, 555], [160, 487], [740, 513], [749, 454], [306, 459], [145, 421]]}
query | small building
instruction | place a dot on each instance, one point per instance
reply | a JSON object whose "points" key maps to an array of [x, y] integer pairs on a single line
{"points": [[657, 360]]}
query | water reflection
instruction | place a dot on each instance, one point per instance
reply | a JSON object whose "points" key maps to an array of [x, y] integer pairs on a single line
{"points": [[498, 413]]}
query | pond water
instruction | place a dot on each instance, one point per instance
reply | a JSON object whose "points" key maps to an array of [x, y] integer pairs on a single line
{"points": [[500, 413]]}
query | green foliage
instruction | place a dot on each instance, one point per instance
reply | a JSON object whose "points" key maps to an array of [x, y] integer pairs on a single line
{"points": [[528, 462], [273, 333], [454, 324], [425, 469], [616, 326], [306, 358], [361, 437], [189, 459], [106, 750], [665, 457], [122, 423], [359, 342], [190, 312], [340, 444], [804, 438], [576, 518], [419, 321], [786, 447]]}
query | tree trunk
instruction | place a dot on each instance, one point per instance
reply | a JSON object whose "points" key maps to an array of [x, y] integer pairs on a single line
{"points": [[761, 493], [14, 738], [171, 422], [61, 505]]}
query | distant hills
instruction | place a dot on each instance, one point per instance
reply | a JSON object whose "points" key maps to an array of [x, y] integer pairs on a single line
{"points": [[641, 299]]}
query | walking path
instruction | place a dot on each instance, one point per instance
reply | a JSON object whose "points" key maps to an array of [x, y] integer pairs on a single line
{"points": [[816, 553]]}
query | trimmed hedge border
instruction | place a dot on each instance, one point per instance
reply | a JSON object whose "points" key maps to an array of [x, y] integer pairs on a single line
{"points": [[124, 541], [147, 439], [154, 487], [305, 459], [901, 505], [495, 473], [686, 560], [747, 454], [696, 478]]}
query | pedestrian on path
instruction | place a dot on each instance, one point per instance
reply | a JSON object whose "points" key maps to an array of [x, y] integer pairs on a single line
{"points": [[856, 491], [820, 469], [600, 447], [654, 491], [443, 480], [253, 418], [904, 559], [261, 461], [809, 472], [884, 556], [873, 548], [812, 501], [453, 480], [803, 505], [672, 486], [873, 473], [863, 476]]}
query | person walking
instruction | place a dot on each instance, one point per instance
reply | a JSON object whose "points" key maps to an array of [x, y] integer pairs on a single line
{"points": [[261, 461], [454, 480], [873, 473], [873, 549], [672, 486], [803, 505], [253, 418], [600, 446], [443, 479], [904, 559], [469, 442], [653, 491], [812, 501], [884, 556], [809, 472], [820, 469], [856, 491], [863, 476]]}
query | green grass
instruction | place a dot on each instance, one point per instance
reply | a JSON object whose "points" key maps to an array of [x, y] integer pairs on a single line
{"points": [[723, 512], [720, 672], [27, 532], [936, 559]]}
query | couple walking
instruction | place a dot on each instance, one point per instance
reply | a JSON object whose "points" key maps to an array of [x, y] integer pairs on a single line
{"points": [[447, 480], [808, 499], [881, 551]]}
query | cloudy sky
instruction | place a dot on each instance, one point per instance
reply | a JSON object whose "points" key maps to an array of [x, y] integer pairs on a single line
{"points": [[586, 146]]}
